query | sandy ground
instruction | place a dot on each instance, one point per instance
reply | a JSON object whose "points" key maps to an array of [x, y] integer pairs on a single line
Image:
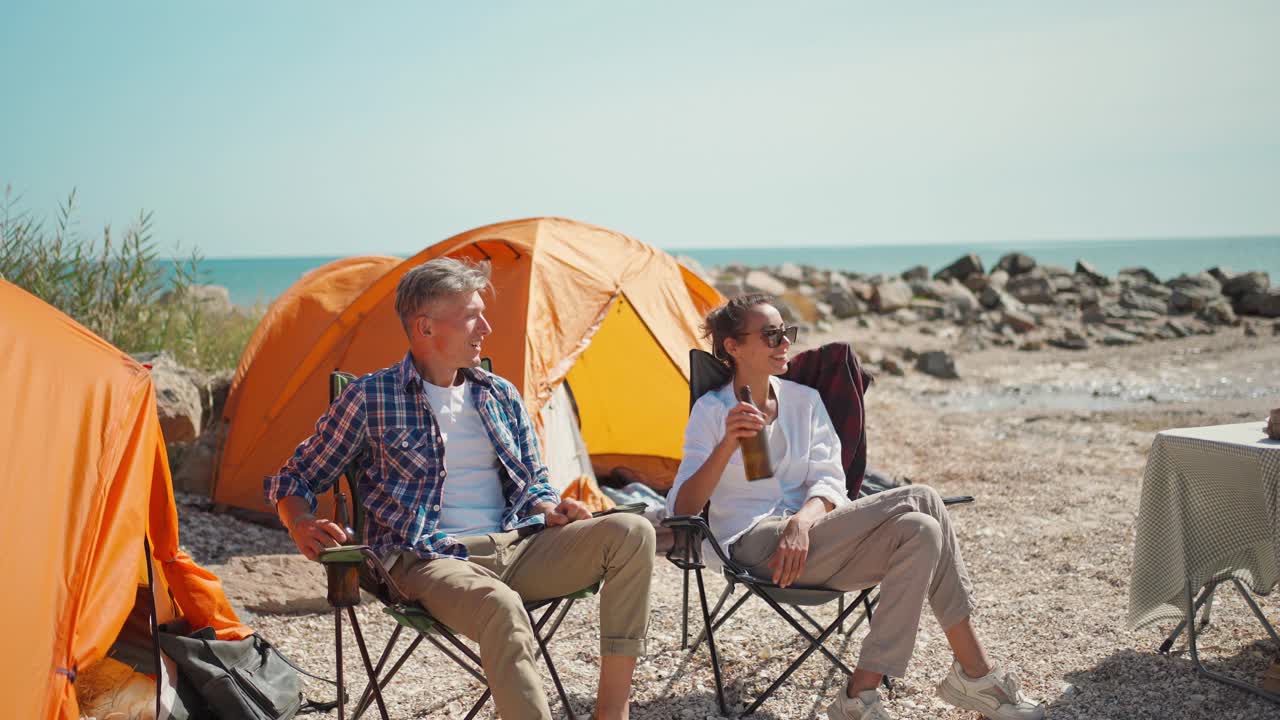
{"points": [[1052, 443]]}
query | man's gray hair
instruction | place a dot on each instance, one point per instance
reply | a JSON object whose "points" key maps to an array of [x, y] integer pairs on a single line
{"points": [[436, 279]]}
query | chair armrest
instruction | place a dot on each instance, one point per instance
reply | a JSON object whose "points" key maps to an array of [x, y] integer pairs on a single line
{"points": [[631, 508], [687, 534], [690, 531], [687, 521], [343, 555], [372, 564]]}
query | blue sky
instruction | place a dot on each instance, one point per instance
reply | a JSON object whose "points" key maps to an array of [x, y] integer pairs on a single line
{"points": [[311, 128]]}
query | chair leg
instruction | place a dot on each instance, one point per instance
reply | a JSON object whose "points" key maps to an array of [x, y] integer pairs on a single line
{"points": [[684, 618], [719, 619], [817, 626], [366, 698], [551, 668], [711, 643], [555, 625], [368, 664], [337, 650], [815, 644], [366, 695], [471, 655], [475, 709]]}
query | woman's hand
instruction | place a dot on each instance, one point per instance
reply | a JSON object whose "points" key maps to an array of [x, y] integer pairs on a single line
{"points": [[743, 421], [787, 562]]}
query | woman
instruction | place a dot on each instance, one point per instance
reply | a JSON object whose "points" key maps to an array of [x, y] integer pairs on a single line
{"points": [[798, 528]]}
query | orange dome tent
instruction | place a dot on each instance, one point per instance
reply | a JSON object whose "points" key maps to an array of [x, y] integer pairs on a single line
{"points": [[612, 315], [85, 479]]}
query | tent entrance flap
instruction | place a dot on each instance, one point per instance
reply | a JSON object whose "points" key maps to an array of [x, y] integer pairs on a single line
{"points": [[631, 396]]}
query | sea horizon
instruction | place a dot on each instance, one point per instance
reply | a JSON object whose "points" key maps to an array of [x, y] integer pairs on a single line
{"points": [[260, 279]]}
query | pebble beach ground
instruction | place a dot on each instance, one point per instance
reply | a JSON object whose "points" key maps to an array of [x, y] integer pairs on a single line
{"points": [[1052, 444]]}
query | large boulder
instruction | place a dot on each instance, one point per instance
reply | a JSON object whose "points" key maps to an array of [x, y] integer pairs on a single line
{"points": [[863, 290], [1119, 337], [1140, 273], [918, 272], [1192, 299], [1153, 290], [891, 295], [1246, 284], [178, 400], [1092, 275], [1070, 340], [961, 268], [791, 274], [1191, 293], [938, 364], [959, 299], [760, 281], [729, 285], [1223, 275], [1218, 312], [926, 309], [1197, 283], [998, 279], [1138, 301], [1032, 288], [1019, 322], [977, 282], [1016, 264], [995, 299], [844, 303], [192, 464], [1266, 304], [1063, 283]]}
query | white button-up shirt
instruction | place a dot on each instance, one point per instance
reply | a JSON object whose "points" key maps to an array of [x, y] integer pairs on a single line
{"points": [[809, 468]]}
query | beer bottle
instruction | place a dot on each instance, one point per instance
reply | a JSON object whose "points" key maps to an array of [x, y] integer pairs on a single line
{"points": [[344, 578], [755, 449]]}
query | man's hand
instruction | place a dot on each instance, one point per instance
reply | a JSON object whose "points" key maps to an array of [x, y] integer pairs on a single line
{"points": [[312, 534], [566, 512], [788, 560]]}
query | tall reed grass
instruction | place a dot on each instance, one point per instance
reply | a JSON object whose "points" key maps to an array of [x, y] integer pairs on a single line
{"points": [[117, 287]]}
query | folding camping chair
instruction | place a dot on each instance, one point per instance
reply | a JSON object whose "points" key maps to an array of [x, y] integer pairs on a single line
{"points": [[410, 615], [706, 374]]}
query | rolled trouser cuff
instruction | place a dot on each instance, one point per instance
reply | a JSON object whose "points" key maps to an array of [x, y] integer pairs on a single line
{"points": [[954, 616], [628, 647], [875, 665]]}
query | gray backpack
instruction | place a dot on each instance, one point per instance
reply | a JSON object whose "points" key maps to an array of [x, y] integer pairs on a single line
{"points": [[235, 678]]}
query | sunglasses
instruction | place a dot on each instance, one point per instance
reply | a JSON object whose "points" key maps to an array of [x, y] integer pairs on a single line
{"points": [[773, 336]]}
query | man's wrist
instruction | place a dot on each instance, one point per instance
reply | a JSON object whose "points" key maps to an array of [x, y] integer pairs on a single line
{"points": [[298, 519]]}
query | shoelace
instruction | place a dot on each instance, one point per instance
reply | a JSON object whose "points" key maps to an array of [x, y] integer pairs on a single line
{"points": [[1008, 684]]}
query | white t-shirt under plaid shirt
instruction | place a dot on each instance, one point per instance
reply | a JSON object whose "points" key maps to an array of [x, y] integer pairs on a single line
{"points": [[472, 502]]}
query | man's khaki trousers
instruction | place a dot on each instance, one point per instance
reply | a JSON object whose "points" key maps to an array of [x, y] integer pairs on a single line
{"points": [[483, 597]]}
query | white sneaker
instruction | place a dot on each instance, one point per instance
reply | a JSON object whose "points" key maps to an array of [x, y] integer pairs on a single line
{"points": [[995, 695], [866, 706]]}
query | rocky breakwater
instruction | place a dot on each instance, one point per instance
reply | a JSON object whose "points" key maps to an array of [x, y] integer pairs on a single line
{"points": [[1018, 302]]}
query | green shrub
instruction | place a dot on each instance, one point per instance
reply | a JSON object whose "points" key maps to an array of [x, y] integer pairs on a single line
{"points": [[116, 287]]}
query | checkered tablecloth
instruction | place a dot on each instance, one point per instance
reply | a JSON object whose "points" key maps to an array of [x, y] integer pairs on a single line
{"points": [[1210, 509]]}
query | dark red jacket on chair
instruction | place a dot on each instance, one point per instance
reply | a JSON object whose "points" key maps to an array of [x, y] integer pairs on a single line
{"points": [[834, 371]]}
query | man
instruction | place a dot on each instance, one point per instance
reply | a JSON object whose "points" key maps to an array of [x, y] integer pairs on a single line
{"points": [[458, 503]]}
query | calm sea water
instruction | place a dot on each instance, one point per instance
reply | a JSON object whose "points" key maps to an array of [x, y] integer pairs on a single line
{"points": [[259, 280]]}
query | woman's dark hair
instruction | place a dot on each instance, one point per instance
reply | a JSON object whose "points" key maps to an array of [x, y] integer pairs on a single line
{"points": [[730, 320]]}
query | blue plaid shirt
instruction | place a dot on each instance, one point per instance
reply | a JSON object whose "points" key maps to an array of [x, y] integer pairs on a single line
{"points": [[384, 422]]}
